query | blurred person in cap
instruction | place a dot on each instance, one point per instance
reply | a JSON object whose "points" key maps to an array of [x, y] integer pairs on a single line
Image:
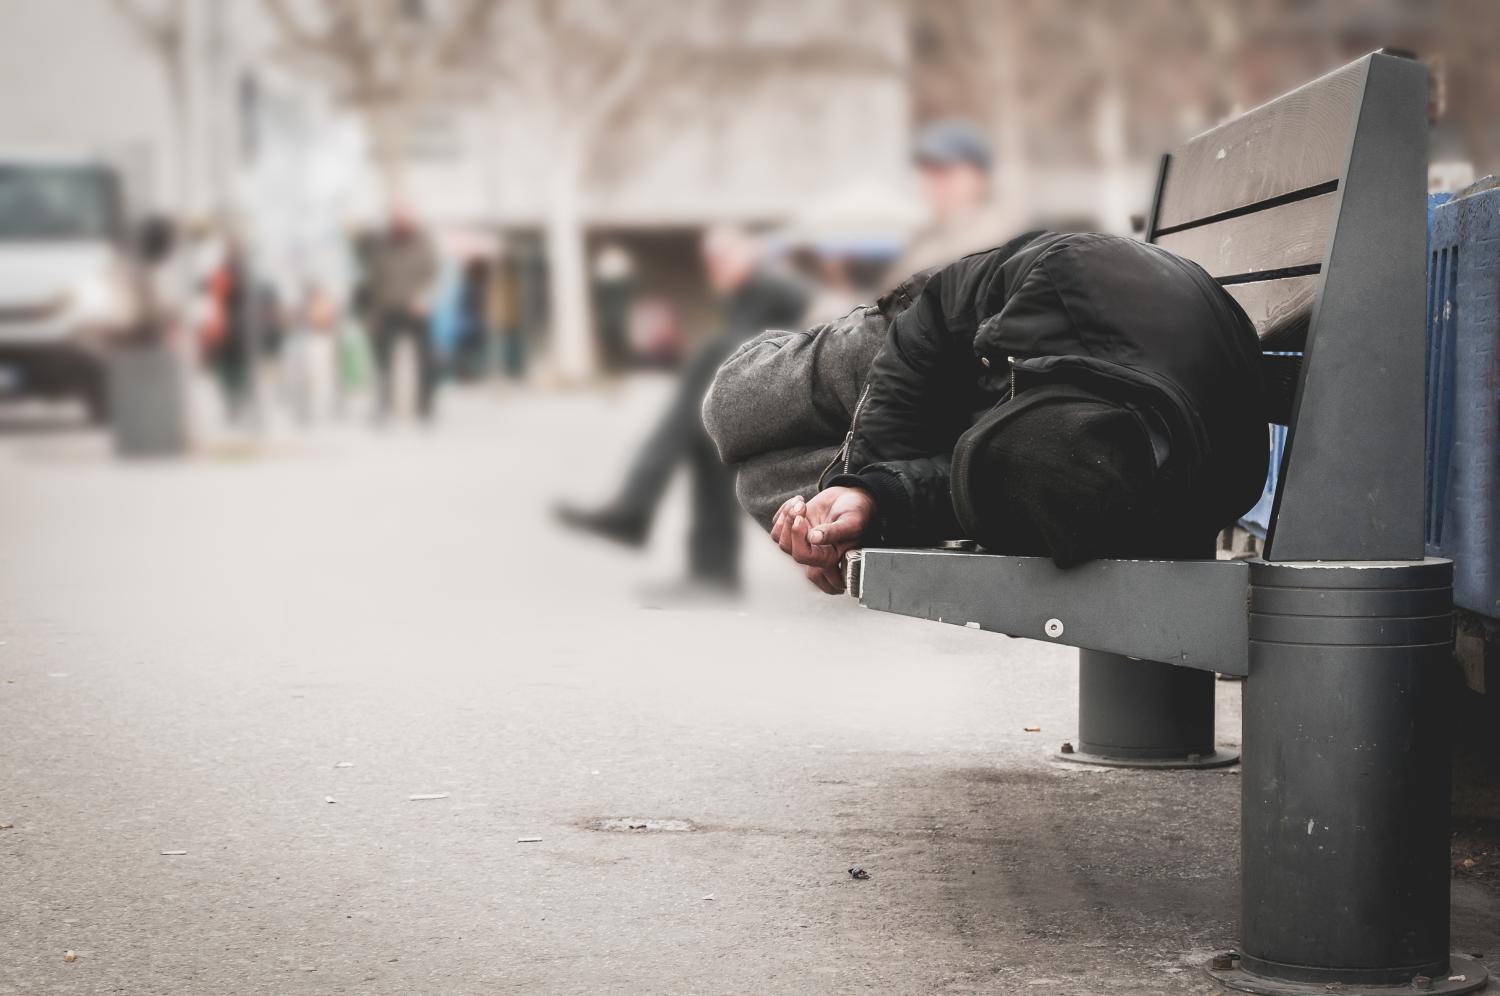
{"points": [[954, 161], [751, 298], [1071, 396], [403, 268]]}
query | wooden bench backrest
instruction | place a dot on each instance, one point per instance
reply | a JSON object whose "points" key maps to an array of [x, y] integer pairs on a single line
{"points": [[1311, 211]]}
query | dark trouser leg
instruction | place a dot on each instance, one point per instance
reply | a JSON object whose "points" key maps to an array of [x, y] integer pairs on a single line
{"points": [[671, 441], [651, 470], [714, 542], [233, 377], [382, 345], [427, 368]]}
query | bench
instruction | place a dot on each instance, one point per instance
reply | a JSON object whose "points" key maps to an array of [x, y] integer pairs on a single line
{"points": [[1309, 210]]}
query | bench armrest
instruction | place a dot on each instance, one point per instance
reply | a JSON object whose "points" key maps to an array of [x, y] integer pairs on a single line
{"points": [[1188, 612]]}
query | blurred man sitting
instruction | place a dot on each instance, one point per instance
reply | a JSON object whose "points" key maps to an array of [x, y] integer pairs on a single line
{"points": [[752, 299]]}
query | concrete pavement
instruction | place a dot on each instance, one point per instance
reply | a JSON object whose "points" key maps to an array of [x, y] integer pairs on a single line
{"points": [[190, 651]]}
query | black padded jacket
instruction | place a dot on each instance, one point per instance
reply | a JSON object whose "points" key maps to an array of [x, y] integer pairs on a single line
{"points": [[1120, 318]]}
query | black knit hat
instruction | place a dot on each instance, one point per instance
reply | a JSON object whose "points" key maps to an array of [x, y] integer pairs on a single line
{"points": [[1063, 473]]}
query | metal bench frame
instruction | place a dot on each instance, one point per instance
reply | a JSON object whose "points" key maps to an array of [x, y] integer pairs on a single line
{"points": [[1343, 631]]}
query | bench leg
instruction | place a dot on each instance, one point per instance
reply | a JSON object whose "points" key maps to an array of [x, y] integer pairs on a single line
{"points": [[1345, 808], [1135, 713]]}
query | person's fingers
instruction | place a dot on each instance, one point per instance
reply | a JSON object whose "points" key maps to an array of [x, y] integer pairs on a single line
{"points": [[788, 540], [795, 541], [844, 529], [801, 550], [821, 557], [806, 553], [792, 506], [830, 582], [787, 537]]}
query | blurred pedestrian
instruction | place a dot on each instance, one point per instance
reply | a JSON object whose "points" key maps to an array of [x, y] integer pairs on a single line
{"points": [[502, 309], [445, 324], [309, 355], [402, 269], [474, 360], [164, 279], [752, 299], [614, 290], [460, 318], [225, 332], [953, 160]]}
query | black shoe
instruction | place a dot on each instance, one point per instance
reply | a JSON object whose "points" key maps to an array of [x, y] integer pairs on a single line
{"points": [[608, 523]]}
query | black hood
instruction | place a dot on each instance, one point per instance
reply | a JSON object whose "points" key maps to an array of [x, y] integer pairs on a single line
{"points": [[1065, 473]]}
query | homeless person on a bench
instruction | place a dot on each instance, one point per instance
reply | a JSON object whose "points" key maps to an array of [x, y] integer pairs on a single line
{"points": [[1067, 396]]}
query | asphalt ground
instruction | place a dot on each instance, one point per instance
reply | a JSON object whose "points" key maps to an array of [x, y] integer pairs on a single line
{"points": [[261, 655]]}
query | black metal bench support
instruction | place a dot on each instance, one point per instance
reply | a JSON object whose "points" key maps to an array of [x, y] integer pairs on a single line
{"points": [[1145, 678], [1345, 782], [1135, 713]]}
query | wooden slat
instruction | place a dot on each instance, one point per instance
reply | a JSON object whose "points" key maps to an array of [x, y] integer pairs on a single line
{"points": [[1279, 309], [1295, 142], [1293, 234]]}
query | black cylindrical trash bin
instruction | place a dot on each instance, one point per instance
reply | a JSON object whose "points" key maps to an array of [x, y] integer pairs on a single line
{"points": [[1345, 779]]}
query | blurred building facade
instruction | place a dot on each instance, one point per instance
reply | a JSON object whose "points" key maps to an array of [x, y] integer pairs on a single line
{"points": [[568, 128]]}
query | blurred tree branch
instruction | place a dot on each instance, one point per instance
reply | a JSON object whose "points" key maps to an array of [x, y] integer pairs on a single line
{"points": [[387, 58], [1180, 65], [612, 80], [162, 28], [601, 79]]}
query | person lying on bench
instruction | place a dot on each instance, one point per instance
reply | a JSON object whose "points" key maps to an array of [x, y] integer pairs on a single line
{"points": [[1072, 396]]}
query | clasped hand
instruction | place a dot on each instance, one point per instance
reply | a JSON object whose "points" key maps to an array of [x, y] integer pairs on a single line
{"points": [[817, 533]]}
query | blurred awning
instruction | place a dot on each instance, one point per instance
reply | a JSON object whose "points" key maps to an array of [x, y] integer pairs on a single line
{"points": [[863, 218]]}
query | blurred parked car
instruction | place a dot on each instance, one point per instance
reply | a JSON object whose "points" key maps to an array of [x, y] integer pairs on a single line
{"points": [[68, 278]]}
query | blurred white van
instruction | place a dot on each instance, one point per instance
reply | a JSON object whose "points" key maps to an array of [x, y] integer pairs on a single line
{"points": [[68, 280]]}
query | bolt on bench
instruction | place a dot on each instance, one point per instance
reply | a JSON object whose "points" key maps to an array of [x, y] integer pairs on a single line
{"points": [[1310, 211]]}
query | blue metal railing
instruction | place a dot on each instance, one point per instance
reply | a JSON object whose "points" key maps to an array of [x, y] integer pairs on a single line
{"points": [[1463, 397]]}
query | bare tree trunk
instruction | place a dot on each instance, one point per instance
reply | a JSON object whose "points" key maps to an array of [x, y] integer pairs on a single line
{"points": [[182, 140], [567, 266]]}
